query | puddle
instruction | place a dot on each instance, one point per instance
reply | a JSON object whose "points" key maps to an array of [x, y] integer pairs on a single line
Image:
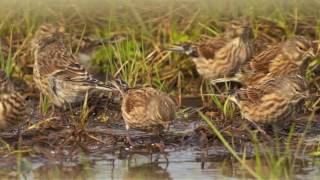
{"points": [[62, 150], [183, 164]]}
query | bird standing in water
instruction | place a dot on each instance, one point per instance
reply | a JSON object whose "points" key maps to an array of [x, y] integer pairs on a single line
{"points": [[146, 108], [273, 100]]}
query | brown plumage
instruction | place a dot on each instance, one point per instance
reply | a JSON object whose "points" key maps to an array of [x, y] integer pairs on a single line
{"points": [[12, 104], [146, 108], [285, 58], [223, 55], [57, 73], [273, 100]]}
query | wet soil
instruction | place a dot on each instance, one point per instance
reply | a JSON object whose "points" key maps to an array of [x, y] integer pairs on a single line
{"points": [[98, 147], [71, 145]]}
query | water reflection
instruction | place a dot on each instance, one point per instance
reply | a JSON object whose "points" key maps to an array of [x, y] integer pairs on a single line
{"points": [[266, 168], [182, 165], [151, 171]]}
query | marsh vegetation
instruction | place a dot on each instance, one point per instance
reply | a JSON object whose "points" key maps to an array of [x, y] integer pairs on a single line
{"points": [[208, 137]]}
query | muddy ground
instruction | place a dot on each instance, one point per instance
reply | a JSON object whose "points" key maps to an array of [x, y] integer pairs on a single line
{"points": [[59, 138]]}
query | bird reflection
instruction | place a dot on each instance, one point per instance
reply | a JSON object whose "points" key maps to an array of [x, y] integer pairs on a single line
{"points": [[147, 171]]}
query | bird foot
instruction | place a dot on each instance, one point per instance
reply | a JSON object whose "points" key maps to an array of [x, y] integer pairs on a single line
{"points": [[130, 142], [161, 148]]}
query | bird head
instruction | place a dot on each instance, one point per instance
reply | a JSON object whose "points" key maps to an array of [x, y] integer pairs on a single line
{"points": [[45, 33], [293, 87], [239, 28], [298, 49], [299, 97]]}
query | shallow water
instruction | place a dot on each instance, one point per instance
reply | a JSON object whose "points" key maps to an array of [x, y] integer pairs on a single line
{"points": [[185, 159], [183, 164]]}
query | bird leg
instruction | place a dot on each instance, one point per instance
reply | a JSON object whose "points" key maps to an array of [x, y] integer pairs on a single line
{"points": [[204, 146], [128, 136], [19, 135], [160, 145], [156, 131], [161, 148], [263, 132]]}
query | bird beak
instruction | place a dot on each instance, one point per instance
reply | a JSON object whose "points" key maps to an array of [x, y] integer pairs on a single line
{"points": [[120, 85], [114, 83], [176, 48], [167, 127], [116, 86], [306, 94], [310, 53], [233, 99], [245, 26]]}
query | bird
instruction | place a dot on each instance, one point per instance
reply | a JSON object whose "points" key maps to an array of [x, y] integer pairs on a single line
{"points": [[12, 104], [145, 108], [222, 55], [289, 57], [273, 100], [57, 73]]}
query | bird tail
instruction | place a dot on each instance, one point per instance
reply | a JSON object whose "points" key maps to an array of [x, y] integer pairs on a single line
{"points": [[120, 85], [111, 40], [105, 86], [186, 48], [226, 79]]}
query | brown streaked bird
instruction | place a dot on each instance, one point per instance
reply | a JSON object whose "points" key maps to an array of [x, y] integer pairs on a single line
{"points": [[273, 100], [223, 55], [12, 104], [57, 73], [146, 108], [289, 57]]}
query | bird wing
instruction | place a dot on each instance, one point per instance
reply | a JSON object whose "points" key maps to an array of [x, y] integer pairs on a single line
{"points": [[63, 66], [167, 108], [134, 102], [209, 48], [261, 61], [254, 93]]}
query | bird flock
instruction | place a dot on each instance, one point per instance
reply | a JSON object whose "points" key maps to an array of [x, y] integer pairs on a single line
{"points": [[272, 81]]}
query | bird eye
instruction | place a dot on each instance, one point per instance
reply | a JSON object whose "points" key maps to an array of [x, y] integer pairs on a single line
{"points": [[47, 29], [301, 48], [44, 29], [235, 26]]}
